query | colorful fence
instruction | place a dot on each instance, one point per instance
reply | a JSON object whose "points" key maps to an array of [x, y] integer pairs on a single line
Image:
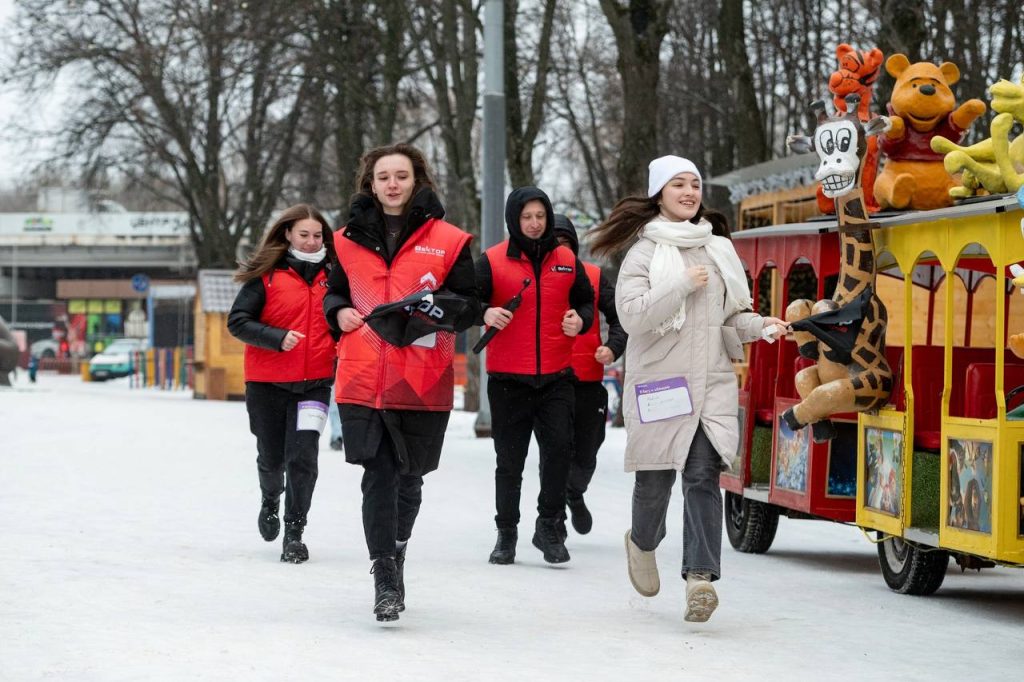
{"points": [[164, 368]]}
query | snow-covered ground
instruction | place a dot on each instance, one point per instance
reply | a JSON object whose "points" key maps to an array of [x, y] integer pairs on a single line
{"points": [[130, 551]]}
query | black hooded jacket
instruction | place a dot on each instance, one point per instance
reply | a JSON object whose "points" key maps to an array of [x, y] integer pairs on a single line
{"points": [[581, 296], [616, 341]]}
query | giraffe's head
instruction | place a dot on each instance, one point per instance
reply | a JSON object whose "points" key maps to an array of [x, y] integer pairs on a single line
{"points": [[840, 142]]}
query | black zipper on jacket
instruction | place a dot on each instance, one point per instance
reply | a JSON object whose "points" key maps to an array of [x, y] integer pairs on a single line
{"points": [[537, 270]]}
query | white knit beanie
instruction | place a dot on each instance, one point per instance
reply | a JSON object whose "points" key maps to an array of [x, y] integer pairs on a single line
{"points": [[664, 168]]}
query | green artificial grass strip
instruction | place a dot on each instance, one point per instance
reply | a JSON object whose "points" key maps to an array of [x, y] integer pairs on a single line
{"points": [[924, 502], [761, 455]]}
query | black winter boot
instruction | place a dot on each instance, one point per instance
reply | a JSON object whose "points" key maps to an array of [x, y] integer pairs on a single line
{"points": [[269, 522], [505, 548], [385, 584], [400, 548], [563, 534], [582, 521], [294, 551], [547, 540]]}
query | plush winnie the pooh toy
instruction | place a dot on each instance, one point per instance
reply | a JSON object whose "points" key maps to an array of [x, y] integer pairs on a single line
{"points": [[922, 107]]}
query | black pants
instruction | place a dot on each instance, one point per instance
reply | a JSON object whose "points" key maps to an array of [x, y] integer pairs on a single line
{"points": [[286, 459], [517, 411], [589, 421], [391, 501]]}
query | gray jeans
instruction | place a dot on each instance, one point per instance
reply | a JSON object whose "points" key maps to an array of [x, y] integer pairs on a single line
{"points": [[702, 508]]}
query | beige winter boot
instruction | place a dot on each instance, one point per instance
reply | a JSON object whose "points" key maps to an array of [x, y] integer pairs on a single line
{"points": [[701, 598], [643, 569]]}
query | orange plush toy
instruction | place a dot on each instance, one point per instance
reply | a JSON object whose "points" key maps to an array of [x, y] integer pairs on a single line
{"points": [[922, 107], [858, 71]]}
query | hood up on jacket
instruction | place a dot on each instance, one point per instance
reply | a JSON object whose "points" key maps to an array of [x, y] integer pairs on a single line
{"points": [[565, 228], [535, 249]]}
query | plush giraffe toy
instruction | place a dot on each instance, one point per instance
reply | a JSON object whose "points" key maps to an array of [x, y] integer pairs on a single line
{"points": [[845, 334], [857, 73]]}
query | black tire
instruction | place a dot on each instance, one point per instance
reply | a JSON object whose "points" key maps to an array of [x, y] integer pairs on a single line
{"points": [[909, 569], [750, 525]]}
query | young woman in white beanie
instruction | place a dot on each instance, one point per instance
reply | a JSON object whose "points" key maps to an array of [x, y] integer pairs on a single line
{"points": [[682, 297]]}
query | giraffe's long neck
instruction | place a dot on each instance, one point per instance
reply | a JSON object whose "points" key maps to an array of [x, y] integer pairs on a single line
{"points": [[857, 259]]}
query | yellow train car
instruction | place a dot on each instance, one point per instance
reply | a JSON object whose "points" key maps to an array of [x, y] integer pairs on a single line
{"points": [[938, 473], [942, 473]]}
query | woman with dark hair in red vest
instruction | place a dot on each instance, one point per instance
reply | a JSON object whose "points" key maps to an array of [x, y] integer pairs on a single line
{"points": [[529, 372], [590, 355], [289, 364], [395, 400]]}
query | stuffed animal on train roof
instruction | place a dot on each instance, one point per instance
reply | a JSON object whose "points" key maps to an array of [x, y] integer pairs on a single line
{"points": [[921, 108], [995, 164], [857, 73]]}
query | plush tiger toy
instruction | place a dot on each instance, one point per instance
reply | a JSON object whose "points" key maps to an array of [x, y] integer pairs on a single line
{"points": [[858, 71]]}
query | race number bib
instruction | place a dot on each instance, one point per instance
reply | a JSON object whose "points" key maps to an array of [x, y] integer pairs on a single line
{"points": [[664, 399], [312, 416]]}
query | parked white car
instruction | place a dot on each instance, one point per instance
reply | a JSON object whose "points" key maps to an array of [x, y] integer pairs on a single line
{"points": [[115, 360]]}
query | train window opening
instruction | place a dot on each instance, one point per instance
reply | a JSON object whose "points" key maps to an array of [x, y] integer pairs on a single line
{"points": [[801, 282], [765, 290]]}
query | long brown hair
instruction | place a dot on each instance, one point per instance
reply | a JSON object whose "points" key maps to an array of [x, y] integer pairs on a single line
{"points": [[275, 244], [620, 230], [421, 173]]}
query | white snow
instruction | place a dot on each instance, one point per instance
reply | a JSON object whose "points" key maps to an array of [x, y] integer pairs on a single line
{"points": [[130, 551]]}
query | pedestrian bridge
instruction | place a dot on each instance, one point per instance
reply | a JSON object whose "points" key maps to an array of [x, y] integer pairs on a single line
{"points": [[96, 240]]}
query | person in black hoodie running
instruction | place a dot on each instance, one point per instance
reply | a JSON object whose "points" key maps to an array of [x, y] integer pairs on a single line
{"points": [[529, 384], [589, 358], [289, 365]]}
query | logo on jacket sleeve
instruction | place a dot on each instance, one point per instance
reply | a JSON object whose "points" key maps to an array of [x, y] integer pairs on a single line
{"points": [[561, 268]]}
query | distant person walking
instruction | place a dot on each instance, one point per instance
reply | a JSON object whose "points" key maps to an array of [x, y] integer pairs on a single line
{"points": [[590, 355], [529, 366], [683, 297], [395, 379], [289, 365]]}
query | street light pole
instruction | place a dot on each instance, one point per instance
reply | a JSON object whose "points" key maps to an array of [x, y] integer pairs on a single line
{"points": [[493, 163]]}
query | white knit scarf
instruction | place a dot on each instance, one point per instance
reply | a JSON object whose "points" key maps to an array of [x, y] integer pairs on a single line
{"points": [[314, 257], [667, 263]]}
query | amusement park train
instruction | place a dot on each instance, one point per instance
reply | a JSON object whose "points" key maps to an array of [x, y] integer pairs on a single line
{"points": [[938, 471]]}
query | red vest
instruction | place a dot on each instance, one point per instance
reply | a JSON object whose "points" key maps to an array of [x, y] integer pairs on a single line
{"points": [[293, 304], [584, 365], [372, 372], [533, 343]]}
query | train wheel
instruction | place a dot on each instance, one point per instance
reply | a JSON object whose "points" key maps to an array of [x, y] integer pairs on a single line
{"points": [[750, 525], [908, 569]]}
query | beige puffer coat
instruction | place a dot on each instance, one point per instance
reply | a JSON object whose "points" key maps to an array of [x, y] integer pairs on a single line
{"points": [[700, 352]]}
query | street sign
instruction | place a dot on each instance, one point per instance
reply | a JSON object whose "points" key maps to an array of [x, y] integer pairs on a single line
{"points": [[140, 282]]}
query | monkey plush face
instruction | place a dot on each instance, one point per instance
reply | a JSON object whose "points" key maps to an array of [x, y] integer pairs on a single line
{"points": [[836, 144]]}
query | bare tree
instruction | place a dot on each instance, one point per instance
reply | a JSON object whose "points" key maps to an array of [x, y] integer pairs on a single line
{"points": [[204, 96], [751, 146], [639, 28], [589, 105], [522, 130]]}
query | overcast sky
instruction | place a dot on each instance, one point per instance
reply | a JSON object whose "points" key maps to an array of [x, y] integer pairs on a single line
{"points": [[19, 154]]}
